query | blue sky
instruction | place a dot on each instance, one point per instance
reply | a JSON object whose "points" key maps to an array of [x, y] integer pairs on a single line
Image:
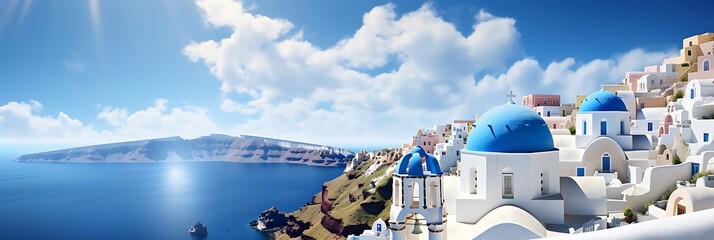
{"points": [[89, 71]]}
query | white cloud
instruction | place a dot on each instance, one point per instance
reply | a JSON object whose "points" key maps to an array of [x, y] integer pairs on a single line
{"points": [[395, 74], [158, 121], [343, 94], [22, 122], [300, 91], [568, 78]]}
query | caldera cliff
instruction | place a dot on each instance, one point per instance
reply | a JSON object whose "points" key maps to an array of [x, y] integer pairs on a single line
{"points": [[346, 205], [249, 149]]}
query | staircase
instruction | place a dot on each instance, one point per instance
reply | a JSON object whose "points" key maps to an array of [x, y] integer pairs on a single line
{"points": [[671, 90], [686, 71]]}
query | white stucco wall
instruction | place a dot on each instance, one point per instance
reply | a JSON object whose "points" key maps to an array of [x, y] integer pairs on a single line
{"points": [[507, 231], [699, 127], [696, 225], [593, 126], [543, 111], [584, 196], [658, 180], [482, 180]]}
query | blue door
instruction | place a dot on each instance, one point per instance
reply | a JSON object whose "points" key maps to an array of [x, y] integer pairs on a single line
{"points": [[691, 93], [603, 128], [580, 171], [606, 163], [706, 137], [649, 126], [622, 127], [695, 168]]}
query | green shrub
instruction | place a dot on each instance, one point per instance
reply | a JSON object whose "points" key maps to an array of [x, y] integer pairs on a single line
{"points": [[572, 130], [678, 95], [701, 174], [666, 194], [628, 212], [675, 159], [645, 209]]}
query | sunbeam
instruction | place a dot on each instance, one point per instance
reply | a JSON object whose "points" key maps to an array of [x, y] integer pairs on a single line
{"points": [[96, 24]]}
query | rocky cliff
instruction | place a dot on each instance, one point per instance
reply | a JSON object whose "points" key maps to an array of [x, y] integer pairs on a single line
{"points": [[347, 204], [214, 147]]}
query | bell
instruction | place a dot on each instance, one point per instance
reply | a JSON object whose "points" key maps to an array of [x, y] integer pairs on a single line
{"points": [[416, 230]]}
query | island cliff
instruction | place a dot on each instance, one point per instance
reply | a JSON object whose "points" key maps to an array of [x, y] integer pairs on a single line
{"points": [[215, 147], [346, 205]]}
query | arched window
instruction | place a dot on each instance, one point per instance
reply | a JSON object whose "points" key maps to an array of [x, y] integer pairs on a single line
{"points": [[414, 195], [603, 127], [622, 127], [397, 193], [706, 65], [606, 168], [689, 52], [585, 128], [678, 208], [433, 194]]}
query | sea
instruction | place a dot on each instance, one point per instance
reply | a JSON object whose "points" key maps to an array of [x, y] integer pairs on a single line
{"points": [[148, 200]]}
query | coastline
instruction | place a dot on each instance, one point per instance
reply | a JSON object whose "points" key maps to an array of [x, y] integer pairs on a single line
{"points": [[172, 162]]}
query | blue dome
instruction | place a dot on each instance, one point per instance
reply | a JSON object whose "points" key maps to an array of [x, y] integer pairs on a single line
{"points": [[411, 164], [510, 128], [602, 101]]}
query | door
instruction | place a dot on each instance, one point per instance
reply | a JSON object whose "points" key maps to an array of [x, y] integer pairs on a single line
{"points": [[580, 171], [606, 163], [695, 168], [681, 209]]}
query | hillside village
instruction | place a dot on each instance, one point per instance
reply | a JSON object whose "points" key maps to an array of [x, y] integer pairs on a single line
{"points": [[635, 153]]}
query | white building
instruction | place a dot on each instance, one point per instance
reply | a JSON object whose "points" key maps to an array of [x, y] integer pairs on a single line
{"points": [[379, 231], [693, 118], [510, 159], [657, 82], [448, 152], [647, 121], [547, 111], [603, 144], [688, 199]]}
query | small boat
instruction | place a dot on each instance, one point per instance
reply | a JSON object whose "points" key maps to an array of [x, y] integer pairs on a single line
{"points": [[198, 229]]}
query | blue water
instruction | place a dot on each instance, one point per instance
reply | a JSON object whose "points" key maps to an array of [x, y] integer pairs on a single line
{"points": [[147, 201]]}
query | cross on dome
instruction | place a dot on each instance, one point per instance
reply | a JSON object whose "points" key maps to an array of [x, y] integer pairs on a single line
{"points": [[510, 97]]}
